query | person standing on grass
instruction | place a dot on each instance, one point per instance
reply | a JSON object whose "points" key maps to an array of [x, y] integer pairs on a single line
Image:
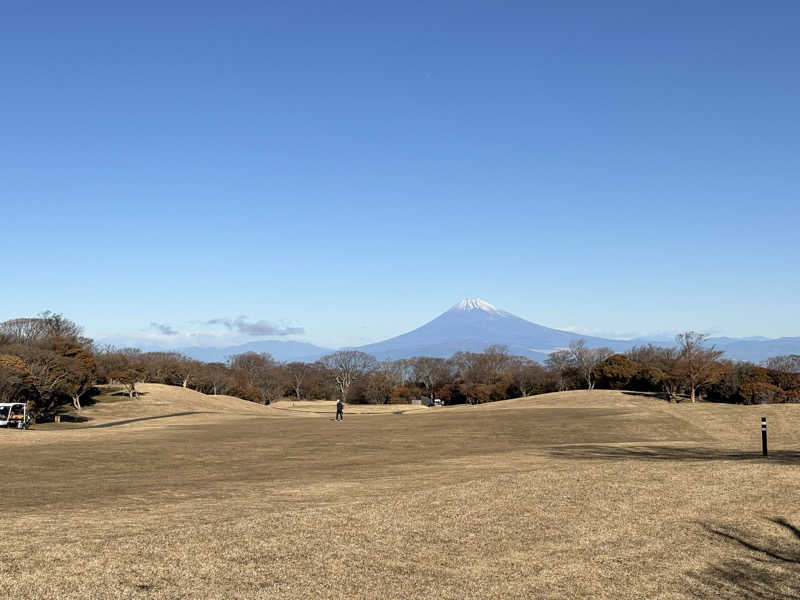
{"points": [[339, 410]]}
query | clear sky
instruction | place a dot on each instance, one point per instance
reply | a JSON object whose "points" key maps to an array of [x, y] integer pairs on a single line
{"points": [[355, 168]]}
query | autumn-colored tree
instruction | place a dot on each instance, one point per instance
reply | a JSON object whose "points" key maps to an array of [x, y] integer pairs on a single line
{"points": [[16, 382], [129, 378], [260, 373], [405, 393], [50, 371], [476, 393], [747, 383], [697, 365], [616, 371], [56, 355], [110, 359], [759, 392], [82, 373], [658, 369]]}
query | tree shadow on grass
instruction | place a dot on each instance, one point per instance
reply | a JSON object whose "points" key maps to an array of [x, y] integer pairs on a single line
{"points": [[768, 569], [681, 453], [126, 421], [106, 396], [656, 395]]}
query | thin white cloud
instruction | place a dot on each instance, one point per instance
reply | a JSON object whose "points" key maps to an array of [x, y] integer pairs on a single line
{"points": [[255, 328], [164, 329]]}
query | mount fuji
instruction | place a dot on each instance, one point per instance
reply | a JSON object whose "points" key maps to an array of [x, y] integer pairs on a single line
{"points": [[473, 325]]}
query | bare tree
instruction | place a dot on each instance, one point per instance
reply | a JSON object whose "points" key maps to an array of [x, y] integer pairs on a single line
{"points": [[697, 364], [271, 383], [297, 372], [586, 359], [527, 374], [347, 366], [786, 373], [47, 326], [172, 368], [431, 372], [788, 363], [187, 370], [481, 367], [493, 362], [248, 364], [464, 364], [215, 377], [384, 378], [318, 383], [560, 362]]}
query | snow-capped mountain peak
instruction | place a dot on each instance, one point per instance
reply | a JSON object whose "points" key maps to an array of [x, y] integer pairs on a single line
{"points": [[473, 325], [469, 304]]}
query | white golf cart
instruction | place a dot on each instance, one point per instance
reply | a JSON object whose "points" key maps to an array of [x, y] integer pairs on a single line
{"points": [[14, 414]]}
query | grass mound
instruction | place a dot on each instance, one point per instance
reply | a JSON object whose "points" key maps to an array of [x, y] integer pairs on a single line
{"points": [[112, 407]]}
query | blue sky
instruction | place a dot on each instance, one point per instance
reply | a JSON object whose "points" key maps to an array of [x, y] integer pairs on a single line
{"points": [[355, 168]]}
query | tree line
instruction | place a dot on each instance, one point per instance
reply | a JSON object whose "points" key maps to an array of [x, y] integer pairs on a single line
{"points": [[47, 362]]}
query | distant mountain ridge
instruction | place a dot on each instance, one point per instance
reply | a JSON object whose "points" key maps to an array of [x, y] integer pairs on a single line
{"points": [[758, 349], [473, 324], [282, 350]]}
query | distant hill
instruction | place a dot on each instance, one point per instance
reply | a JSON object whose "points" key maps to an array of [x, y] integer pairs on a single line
{"points": [[282, 350], [756, 349], [473, 325]]}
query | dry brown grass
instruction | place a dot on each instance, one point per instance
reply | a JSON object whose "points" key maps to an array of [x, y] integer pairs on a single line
{"points": [[578, 495], [326, 408]]}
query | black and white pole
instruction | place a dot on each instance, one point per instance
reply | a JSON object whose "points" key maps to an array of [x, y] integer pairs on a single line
{"points": [[764, 436]]}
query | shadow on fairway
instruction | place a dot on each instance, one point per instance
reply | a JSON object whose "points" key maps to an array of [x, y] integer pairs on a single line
{"points": [[656, 395], [97, 396], [770, 570], [655, 453], [116, 423]]}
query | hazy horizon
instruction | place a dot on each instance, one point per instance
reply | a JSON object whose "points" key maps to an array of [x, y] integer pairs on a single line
{"points": [[172, 339]]}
